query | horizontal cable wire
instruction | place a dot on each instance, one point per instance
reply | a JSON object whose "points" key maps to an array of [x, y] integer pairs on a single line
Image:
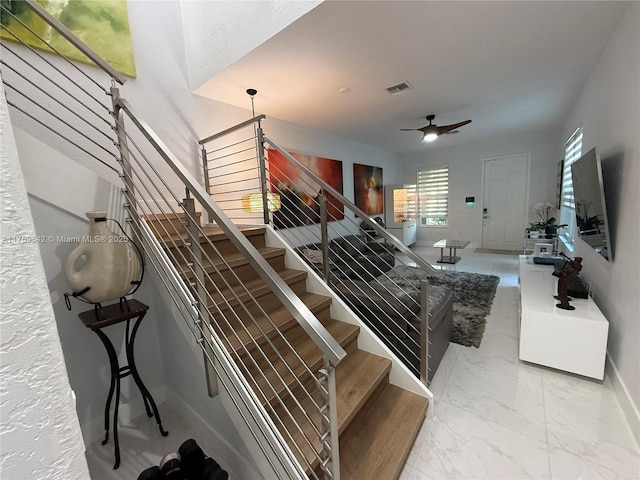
{"points": [[59, 55], [89, 139], [51, 82], [228, 164], [209, 152], [63, 137], [237, 152]]}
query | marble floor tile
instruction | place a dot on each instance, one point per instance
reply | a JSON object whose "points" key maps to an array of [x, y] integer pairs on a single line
{"points": [[573, 457], [461, 444], [504, 399]]}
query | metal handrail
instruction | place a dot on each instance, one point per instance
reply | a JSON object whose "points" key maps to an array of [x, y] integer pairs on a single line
{"points": [[307, 320], [229, 130]]}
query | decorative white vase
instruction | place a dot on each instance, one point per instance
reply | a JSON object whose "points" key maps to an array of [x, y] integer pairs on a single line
{"points": [[105, 263]]}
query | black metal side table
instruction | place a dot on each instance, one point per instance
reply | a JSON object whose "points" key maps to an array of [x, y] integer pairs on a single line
{"points": [[96, 320]]}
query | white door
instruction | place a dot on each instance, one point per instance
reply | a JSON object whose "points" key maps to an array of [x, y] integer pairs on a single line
{"points": [[506, 189]]}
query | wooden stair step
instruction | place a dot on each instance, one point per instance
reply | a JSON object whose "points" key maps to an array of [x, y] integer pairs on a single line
{"points": [[238, 294], [164, 225], [379, 439], [266, 373], [278, 320], [357, 377], [215, 234], [231, 261]]}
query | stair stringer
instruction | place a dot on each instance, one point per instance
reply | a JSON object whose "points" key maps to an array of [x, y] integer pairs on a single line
{"points": [[368, 341]]}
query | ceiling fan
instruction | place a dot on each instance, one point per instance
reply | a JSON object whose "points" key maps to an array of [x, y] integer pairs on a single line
{"points": [[431, 132]]}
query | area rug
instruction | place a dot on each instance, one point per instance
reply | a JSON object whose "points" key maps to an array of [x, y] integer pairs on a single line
{"points": [[499, 252], [473, 295]]}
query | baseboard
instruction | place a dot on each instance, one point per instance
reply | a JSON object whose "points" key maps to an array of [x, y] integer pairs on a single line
{"points": [[229, 458], [628, 407]]}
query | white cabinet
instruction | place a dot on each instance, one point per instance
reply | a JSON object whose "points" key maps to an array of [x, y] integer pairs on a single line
{"points": [[571, 340], [407, 234], [400, 213]]}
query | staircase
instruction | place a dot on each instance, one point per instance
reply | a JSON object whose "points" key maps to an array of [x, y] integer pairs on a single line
{"points": [[377, 421]]}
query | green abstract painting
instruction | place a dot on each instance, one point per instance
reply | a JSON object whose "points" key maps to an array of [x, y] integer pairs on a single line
{"points": [[102, 24]]}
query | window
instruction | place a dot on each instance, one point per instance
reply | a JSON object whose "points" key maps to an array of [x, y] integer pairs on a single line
{"points": [[572, 152], [433, 196]]}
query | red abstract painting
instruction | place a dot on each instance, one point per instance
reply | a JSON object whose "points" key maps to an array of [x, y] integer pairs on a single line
{"points": [[299, 192]]}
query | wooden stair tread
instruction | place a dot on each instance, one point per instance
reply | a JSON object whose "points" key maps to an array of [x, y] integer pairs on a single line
{"points": [[357, 377], [214, 233], [266, 376], [281, 318], [256, 287], [379, 439], [230, 261]]}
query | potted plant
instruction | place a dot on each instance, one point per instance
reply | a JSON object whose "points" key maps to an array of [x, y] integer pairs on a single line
{"points": [[547, 224]]}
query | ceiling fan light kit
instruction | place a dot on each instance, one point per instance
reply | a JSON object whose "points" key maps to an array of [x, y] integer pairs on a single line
{"points": [[431, 132]]}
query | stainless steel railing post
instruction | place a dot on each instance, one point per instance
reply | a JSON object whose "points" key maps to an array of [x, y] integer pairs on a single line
{"points": [[424, 332], [324, 235], [200, 292], [123, 147], [262, 167], [329, 422]]}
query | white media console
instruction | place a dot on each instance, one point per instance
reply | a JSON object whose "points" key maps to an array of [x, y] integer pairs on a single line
{"points": [[571, 340]]}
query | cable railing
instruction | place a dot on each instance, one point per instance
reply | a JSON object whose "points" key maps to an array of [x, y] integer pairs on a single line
{"points": [[351, 252], [286, 398]]}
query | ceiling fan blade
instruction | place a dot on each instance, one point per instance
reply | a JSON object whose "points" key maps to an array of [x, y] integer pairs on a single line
{"points": [[447, 128], [410, 129]]}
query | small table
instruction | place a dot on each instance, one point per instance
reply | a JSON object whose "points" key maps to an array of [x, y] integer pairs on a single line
{"points": [[452, 245], [96, 320]]}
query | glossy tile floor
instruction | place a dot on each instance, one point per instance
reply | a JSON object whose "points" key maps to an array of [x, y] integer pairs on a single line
{"points": [[495, 418], [498, 418]]}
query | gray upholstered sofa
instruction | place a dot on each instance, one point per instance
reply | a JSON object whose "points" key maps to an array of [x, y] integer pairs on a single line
{"points": [[391, 312]]}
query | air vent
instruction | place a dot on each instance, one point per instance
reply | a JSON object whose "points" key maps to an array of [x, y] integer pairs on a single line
{"points": [[399, 88]]}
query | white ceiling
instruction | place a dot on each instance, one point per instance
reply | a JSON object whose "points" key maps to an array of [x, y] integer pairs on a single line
{"points": [[507, 66]]}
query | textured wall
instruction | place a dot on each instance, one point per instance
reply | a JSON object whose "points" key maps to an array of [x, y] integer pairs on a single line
{"points": [[39, 435]]}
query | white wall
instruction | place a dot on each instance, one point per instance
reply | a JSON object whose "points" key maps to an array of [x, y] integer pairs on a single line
{"points": [[465, 178], [40, 433], [608, 109]]}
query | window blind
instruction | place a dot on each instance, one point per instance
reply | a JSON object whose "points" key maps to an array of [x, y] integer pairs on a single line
{"points": [[573, 151], [433, 195]]}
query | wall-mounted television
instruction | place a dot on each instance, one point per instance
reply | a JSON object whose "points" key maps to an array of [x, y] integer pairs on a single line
{"points": [[591, 210]]}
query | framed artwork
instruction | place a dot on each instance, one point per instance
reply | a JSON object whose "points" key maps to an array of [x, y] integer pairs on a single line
{"points": [[368, 189], [103, 26], [299, 193]]}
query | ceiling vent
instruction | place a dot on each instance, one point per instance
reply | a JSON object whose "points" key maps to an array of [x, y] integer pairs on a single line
{"points": [[399, 88]]}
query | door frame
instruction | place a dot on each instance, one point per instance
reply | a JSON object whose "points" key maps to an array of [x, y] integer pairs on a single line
{"points": [[526, 193]]}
